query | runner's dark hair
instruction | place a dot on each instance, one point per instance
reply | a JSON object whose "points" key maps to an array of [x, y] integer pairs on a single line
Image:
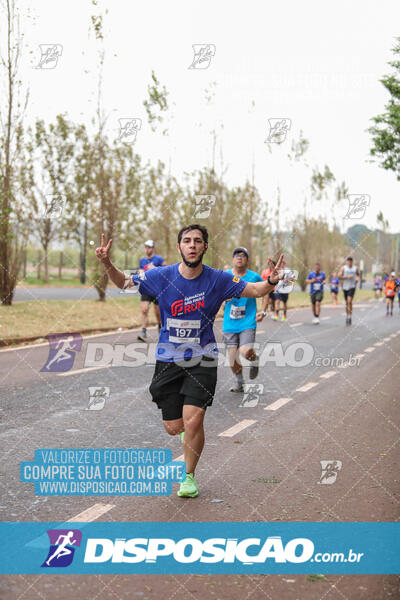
{"points": [[201, 228]]}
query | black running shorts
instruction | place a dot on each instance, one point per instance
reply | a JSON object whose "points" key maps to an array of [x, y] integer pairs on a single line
{"points": [[147, 298], [174, 385], [316, 297], [349, 293]]}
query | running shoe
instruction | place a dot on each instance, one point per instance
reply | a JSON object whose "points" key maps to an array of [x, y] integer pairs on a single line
{"points": [[316, 320], [237, 388], [182, 436], [189, 487], [275, 318], [283, 318], [254, 369]]}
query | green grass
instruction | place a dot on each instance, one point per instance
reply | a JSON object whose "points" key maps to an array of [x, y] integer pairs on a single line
{"points": [[53, 282]]}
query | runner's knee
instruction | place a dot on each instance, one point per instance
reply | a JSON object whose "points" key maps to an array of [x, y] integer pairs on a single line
{"points": [[174, 427]]}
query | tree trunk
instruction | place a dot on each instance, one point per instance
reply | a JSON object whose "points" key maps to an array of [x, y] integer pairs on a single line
{"points": [[46, 265], [83, 247], [25, 262], [39, 264], [60, 265]]}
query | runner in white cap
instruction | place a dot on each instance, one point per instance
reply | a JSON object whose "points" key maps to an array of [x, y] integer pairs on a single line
{"points": [[149, 261]]}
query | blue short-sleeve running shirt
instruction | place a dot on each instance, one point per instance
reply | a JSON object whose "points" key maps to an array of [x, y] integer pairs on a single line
{"points": [[240, 313], [155, 260], [334, 284], [188, 308], [317, 286]]}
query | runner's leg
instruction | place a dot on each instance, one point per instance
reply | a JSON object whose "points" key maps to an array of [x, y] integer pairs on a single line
{"points": [[157, 315], [144, 307], [193, 443]]}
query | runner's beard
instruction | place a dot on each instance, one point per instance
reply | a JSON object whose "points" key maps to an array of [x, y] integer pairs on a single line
{"points": [[192, 264]]}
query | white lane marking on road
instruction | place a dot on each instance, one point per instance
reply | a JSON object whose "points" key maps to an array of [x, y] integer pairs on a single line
{"points": [[325, 318], [237, 428], [393, 335], [370, 349], [277, 404], [88, 515], [328, 374], [92, 513], [295, 324], [307, 386], [386, 339], [359, 356], [83, 370], [379, 344]]}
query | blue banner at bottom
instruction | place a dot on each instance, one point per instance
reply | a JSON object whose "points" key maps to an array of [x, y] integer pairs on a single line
{"points": [[203, 548]]}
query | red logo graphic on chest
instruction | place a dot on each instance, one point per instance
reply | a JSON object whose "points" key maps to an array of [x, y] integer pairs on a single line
{"points": [[177, 307]]}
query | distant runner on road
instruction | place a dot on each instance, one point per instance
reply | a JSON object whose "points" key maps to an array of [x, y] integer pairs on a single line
{"points": [[334, 285], [190, 295], [390, 293], [316, 279], [147, 262], [350, 276]]}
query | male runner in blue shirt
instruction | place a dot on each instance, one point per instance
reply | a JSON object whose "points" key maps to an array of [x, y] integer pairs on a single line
{"points": [[316, 279], [190, 295], [239, 325]]}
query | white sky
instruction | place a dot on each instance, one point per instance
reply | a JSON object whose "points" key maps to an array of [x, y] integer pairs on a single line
{"points": [[316, 63]]}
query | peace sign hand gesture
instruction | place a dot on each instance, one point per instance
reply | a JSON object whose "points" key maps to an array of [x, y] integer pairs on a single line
{"points": [[277, 272], [103, 252]]}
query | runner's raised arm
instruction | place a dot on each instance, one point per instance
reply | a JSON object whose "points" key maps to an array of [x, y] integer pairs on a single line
{"points": [[102, 253]]}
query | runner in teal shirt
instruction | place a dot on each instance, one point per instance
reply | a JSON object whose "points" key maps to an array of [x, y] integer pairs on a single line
{"points": [[240, 322]]}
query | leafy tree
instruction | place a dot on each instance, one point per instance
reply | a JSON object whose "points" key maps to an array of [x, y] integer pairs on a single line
{"points": [[386, 131], [50, 150]]}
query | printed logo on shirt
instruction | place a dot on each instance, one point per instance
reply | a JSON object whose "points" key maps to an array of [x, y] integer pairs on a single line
{"points": [[187, 305], [236, 279]]}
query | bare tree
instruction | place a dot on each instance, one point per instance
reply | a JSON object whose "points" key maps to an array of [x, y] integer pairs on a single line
{"points": [[13, 226]]}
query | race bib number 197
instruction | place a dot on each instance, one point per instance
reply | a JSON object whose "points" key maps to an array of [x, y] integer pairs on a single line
{"points": [[181, 331]]}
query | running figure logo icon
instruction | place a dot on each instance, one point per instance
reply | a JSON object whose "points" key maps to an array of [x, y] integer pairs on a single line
{"points": [[251, 394], [128, 129], [330, 470], [204, 205], [98, 397], [52, 206], [278, 129], [203, 54], [63, 347], [62, 542], [49, 55], [357, 205]]}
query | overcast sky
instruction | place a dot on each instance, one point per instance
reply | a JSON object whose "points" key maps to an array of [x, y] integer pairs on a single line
{"points": [[315, 63]]}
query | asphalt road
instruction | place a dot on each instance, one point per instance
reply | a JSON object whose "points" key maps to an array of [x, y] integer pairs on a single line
{"points": [[267, 471]]}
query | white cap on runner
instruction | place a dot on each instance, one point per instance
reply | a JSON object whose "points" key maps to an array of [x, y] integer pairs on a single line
{"points": [[149, 243]]}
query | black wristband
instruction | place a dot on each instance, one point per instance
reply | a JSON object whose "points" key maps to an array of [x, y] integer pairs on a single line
{"points": [[270, 282]]}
